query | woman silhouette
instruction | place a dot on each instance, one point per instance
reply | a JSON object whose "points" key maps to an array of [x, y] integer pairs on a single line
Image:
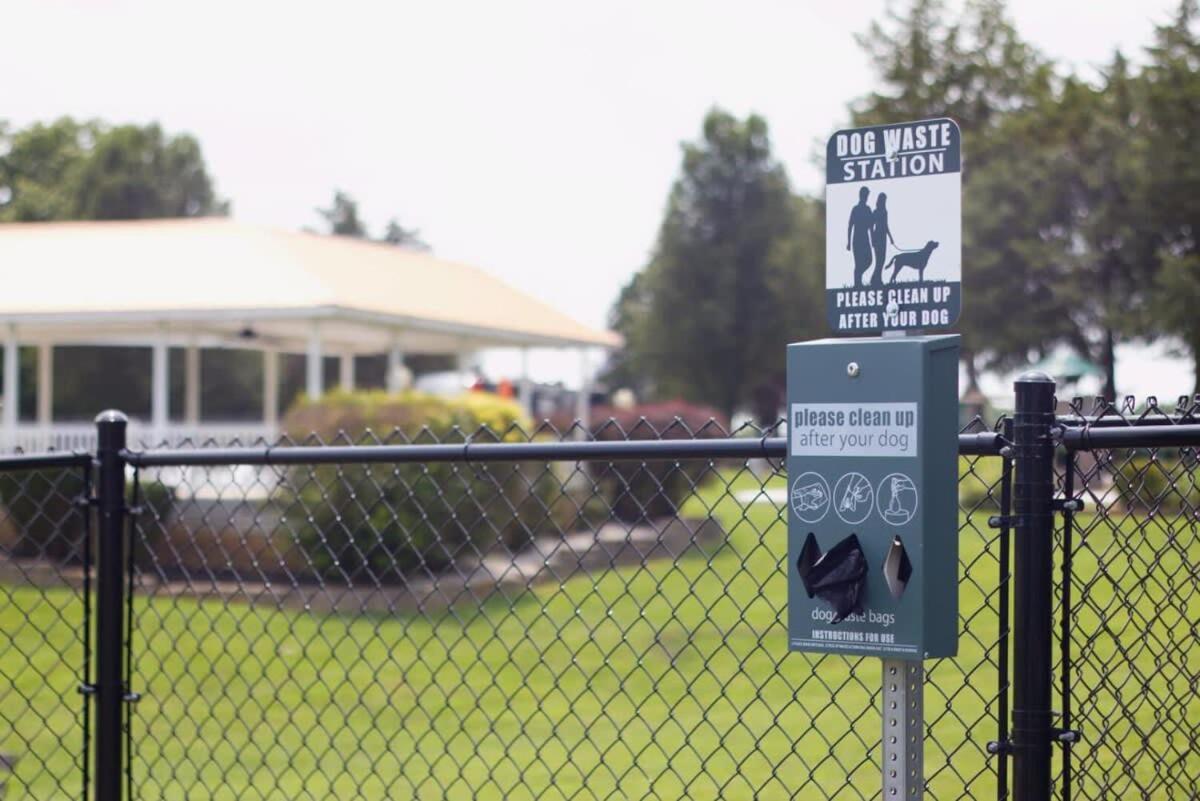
{"points": [[881, 234]]}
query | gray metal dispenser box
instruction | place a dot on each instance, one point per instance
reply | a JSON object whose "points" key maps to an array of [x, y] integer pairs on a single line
{"points": [[873, 496]]}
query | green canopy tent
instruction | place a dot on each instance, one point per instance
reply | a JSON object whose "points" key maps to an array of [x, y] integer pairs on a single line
{"points": [[1067, 367]]}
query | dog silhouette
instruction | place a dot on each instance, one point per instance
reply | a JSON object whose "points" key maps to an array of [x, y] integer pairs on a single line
{"points": [[917, 259]]}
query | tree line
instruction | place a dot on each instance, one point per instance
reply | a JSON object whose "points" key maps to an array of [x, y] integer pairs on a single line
{"points": [[72, 169], [1081, 213], [89, 170]]}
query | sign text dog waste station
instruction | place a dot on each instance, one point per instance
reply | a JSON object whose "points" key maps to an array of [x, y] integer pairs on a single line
{"points": [[872, 496], [893, 237]]}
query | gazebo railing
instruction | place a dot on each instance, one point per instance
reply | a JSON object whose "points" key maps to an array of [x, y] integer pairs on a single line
{"points": [[37, 437]]}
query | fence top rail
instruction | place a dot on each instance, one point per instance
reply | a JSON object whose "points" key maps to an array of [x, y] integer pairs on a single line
{"points": [[44, 460], [1173, 435], [979, 444], [566, 451], [1120, 421]]}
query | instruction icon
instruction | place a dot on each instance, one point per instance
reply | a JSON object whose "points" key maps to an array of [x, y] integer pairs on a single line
{"points": [[853, 498], [897, 498], [810, 497]]}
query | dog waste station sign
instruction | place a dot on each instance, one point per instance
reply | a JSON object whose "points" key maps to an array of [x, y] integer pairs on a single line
{"points": [[872, 426], [893, 237]]}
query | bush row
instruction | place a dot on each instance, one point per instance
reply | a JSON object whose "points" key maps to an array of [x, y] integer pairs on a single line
{"points": [[42, 518], [391, 519], [388, 520]]}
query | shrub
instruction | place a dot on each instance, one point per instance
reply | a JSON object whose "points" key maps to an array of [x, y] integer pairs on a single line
{"points": [[342, 416], [391, 519], [41, 519], [156, 508], [1162, 484], [40, 516], [637, 491], [979, 476]]}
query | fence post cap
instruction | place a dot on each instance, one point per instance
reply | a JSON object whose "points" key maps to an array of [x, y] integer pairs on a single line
{"points": [[1034, 377], [111, 416]]}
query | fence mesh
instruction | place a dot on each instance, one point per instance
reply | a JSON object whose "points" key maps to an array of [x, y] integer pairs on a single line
{"points": [[581, 630], [587, 630], [1133, 597], [45, 567]]}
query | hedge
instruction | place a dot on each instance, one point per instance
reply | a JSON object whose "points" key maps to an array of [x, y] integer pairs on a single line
{"points": [[637, 491], [41, 519], [381, 522], [1160, 484]]}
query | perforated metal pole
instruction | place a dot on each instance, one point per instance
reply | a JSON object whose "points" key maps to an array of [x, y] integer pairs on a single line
{"points": [[903, 718], [903, 729]]}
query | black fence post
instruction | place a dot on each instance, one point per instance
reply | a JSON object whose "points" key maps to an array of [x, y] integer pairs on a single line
{"points": [[110, 602], [1033, 513]]}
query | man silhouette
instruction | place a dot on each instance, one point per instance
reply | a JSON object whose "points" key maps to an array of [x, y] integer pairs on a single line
{"points": [[858, 234]]}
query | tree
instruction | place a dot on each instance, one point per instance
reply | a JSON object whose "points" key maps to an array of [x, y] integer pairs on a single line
{"points": [[1108, 240], [977, 70], [706, 320], [136, 172], [796, 283], [69, 170], [343, 219], [622, 369], [396, 234], [342, 216], [38, 170], [1171, 86], [1176, 301], [1057, 211]]}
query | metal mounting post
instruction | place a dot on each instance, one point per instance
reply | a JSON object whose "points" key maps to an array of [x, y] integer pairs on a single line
{"points": [[1033, 524], [903, 719], [110, 604], [903, 729]]}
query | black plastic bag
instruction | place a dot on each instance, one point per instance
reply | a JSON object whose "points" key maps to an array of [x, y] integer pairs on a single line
{"points": [[836, 576]]}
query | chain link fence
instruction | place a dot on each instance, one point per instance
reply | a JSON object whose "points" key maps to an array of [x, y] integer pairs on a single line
{"points": [[45, 639], [516, 629], [1129, 604], [522, 619]]}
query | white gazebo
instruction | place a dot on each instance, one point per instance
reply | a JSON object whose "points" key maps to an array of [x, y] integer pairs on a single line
{"points": [[217, 283]]}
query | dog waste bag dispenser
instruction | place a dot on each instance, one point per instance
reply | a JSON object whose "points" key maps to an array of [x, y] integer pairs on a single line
{"points": [[872, 496]]}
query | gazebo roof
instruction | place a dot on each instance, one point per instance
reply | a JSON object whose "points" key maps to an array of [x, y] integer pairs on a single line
{"points": [[93, 281]]}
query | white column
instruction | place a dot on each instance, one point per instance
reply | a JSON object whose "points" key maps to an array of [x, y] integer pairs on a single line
{"points": [[582, 406], [270, 412], [313, 369], [45, 385], [525, 388], [191, 386], [395, 367], [158, 388], [346, 372], [12, 373]]}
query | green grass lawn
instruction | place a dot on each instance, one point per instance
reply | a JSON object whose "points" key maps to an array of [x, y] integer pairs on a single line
{"points": [[667, 681]]}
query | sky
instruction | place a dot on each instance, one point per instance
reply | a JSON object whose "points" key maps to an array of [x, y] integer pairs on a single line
{"points": [[536, 140]]}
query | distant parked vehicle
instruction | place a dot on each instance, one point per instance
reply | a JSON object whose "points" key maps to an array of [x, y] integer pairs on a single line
{"points": [[449, 383]]}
